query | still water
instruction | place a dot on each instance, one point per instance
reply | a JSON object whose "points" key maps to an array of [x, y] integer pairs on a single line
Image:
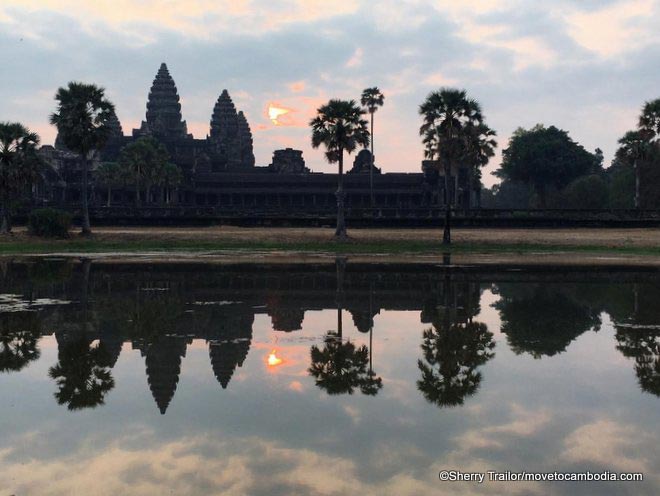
{"points": [[200, 379]]}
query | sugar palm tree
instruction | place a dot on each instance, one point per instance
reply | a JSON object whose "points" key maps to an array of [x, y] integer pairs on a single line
{"points": [[452, 124], [18, 165], [339, 126], [83, 120], [479, 149], [634, 146], [649, 120], [372, 99]]}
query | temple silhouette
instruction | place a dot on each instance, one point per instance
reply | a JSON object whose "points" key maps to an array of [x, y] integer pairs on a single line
{"points": [[219, 171]]}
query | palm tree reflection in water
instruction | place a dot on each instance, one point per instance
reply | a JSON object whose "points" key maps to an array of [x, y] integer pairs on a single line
{"points": [[453, 348], [340, 367], [82, 374], [19, 336]]}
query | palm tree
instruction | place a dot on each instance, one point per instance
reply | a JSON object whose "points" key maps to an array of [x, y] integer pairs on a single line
{"points": [[145, 160], [372, 99], [339, 126], [480, 148], [637, 146], [649, 120], [633, 149], [452, 127], [83, 119], [18, 165], [172, 178], [110, 174]]}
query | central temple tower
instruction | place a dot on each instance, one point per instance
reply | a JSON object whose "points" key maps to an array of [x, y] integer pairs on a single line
{"points": [[164, 120]]}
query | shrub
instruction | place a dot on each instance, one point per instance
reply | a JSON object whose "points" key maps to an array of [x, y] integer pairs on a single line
{"points": [[49, 223]]}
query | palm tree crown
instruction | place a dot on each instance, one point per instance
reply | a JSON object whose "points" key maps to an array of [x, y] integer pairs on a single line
{"points": [[83, 116], [372, 99], [649, 120], [449, 118]]}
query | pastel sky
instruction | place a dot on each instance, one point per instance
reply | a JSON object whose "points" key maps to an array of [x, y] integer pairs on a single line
{"points": [[586, 66]]}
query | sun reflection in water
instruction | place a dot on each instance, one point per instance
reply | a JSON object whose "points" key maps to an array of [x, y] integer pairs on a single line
{"points": [[273, 360]]}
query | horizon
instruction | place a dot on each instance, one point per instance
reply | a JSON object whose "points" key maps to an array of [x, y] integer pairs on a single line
{"points": [[585, 67]]}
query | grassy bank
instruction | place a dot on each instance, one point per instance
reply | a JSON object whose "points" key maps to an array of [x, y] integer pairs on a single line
{"points": [[226, 241]]}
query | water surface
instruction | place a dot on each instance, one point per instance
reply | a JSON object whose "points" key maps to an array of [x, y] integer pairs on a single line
{"points": [[195, 379]]}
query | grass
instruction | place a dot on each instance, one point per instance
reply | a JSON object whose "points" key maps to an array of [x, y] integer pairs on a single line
{"points": [[27, 246]]}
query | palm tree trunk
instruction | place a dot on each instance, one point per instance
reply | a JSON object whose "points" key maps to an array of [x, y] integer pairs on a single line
{"points": [[636, 167], [340, 267], [86, 227], [371, 169], [542, 197], [6, 221], [371, 328], [340, 232], [137, 189], [446, 235]]}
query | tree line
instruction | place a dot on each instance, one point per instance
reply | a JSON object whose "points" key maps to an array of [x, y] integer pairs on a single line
{"points": [[83, 119], [143, 165], [541, 167]]}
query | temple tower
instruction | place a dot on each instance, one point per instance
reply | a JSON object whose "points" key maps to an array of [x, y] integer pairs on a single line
{"points": [[230, 134], [163, 361], [164, 118], [245, 138], [225, 357], [115, 127]]}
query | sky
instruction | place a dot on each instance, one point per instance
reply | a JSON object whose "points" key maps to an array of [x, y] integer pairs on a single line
{"points": [[586, 66]]}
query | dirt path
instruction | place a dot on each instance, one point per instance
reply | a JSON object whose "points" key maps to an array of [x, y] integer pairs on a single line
{"points": [[616, 238]]}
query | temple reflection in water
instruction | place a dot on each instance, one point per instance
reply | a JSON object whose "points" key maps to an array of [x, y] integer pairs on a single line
{"points": [[93, 309]]}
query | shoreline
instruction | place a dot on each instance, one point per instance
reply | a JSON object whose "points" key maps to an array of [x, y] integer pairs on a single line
{"points": [[512, 247]]}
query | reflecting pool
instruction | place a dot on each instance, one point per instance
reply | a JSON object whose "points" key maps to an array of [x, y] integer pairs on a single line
{"points": [[338, 378]]}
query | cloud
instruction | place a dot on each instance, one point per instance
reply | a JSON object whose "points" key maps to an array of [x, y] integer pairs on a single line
{"points": [[356, 58], [200, 465], [205, 19], [615, 29], [585, 66]]}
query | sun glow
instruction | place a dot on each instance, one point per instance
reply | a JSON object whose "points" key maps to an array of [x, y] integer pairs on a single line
{"points": [[275, 112], [273, 359]]}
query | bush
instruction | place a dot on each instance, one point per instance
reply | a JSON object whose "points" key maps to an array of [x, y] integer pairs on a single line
{"points": [[49, 223]]}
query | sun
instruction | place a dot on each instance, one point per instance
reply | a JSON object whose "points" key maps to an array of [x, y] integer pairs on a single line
{"points": [[275, 112]]}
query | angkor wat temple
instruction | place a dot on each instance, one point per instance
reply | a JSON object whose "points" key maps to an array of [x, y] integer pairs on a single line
{"points": [[220, 172]]}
